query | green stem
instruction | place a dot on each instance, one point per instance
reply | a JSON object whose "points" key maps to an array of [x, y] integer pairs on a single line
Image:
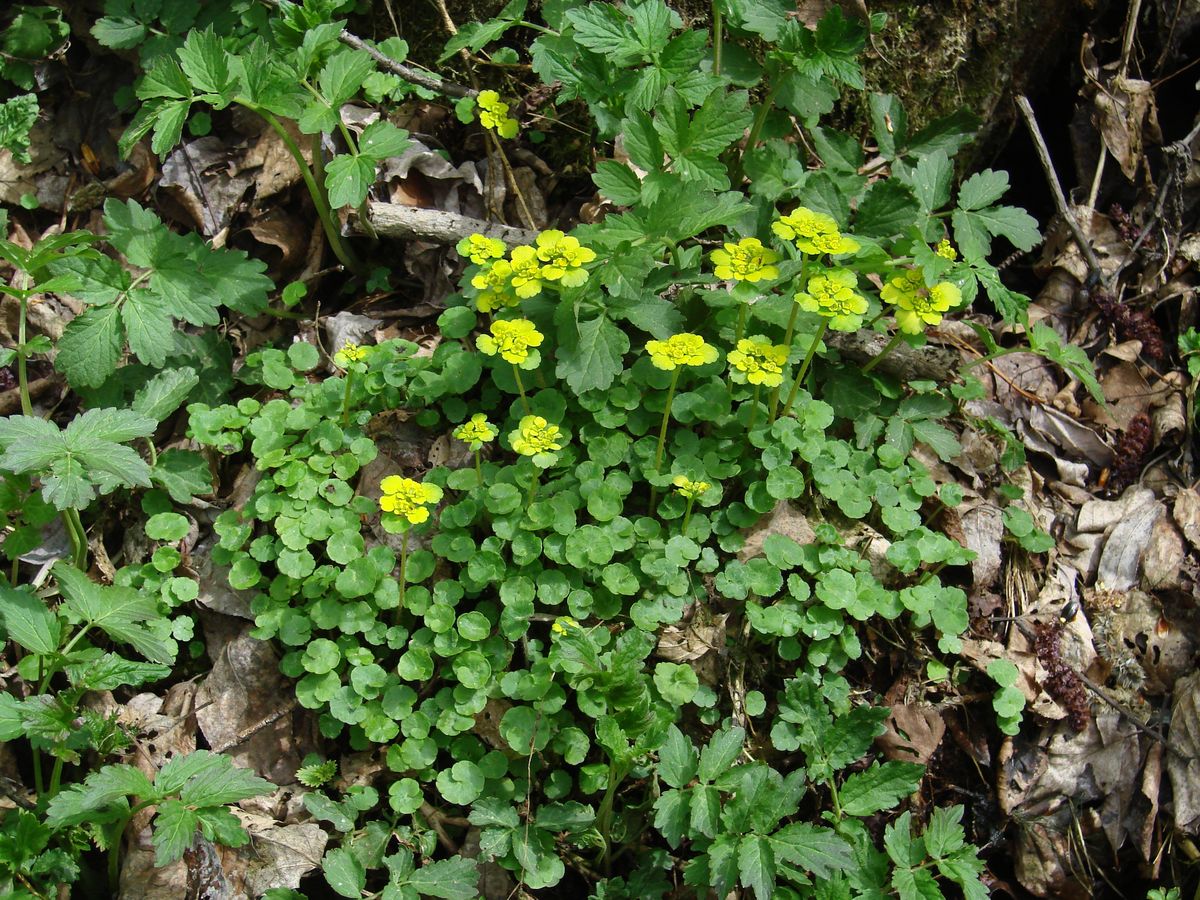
{"points": [[346, 398], [754, 406], [340, 249], [812, 351], [616, 774], [662, 436], [787, 342], [152, 452], [521, 388], [22, 371], [687, 516], [837, 803], [741, 323], [78, 537], [891, 345], [533, 487], [760, 119], [478, 468], [718, 36], [403, 581]]}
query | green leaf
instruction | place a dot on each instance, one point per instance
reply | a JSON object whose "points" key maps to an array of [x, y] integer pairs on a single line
{"points": [[720, 753], [604, 29], [120, 612], [461, 784], [931, 181], [382, 139], [348, 178], [17, 117], [618, 182], [916, 884], [671, 816], [344, 873], [879, 788], [343, 74], [449, 879], [183, 473], [101, 789], [91, 345], [174, 830], [590, 359], [816, 850], [756, 865], [944, 835], [676, 682], [982, 189], [888, 208], [28, 621], [677, 759], [206, 63], [163, 394], [119, 32]]}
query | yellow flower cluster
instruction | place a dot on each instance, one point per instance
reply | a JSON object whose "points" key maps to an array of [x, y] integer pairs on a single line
{"points": [[477, 431], [946, 250], [688, 488], [406, 498], [557, 258], [681, 350], [349, 353], [916, 306], [493, 114], [564, 625], [535, 435], [513, 339], [758, 361], [832, 294], [747, 260], [813, 233]]}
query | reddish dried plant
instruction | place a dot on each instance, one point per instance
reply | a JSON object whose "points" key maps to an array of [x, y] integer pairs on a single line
{"points": [[1131, 323], [1131, 452], [1062, 684]]}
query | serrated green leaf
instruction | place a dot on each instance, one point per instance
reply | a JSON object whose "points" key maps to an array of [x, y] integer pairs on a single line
{"points": [[720, 753], [28, 621], [982, 189], [677, 759], [148, 327], [164, 80], [931, 181], [174, 830], [163, 393], [120, 612], [591, 359], [382, 139], [915, 884], [205, 61], [219, 782], [816, 850], [881, 787], [119, 32], [17, 117], [618, 182], [604, 29], [887, 209], [671, 815], [449, 879], [183, 473], [756, 865], [111, 784], [348, 178], [342, 75], [91, 346]]}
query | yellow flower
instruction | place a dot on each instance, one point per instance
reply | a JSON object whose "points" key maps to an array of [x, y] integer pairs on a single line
{"points": [[564, 625], [511, 338], [492, 282], [832, 294], [681, 350], [946, 250], [563, 258], [350, 353], [493, 114], [688, 488], [747, 260], [813, 232], [535, 435], [406, 498], [479, 249], [476, 432], [917, 307], [758, 361], [527, 271]]}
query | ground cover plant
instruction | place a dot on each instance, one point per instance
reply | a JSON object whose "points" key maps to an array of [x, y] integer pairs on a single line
{"points": [[621, 630]]}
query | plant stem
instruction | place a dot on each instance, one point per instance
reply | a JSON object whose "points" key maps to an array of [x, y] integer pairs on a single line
{"points": [[78, 537], [741, 323], [521, 388], [754, 406], [152, 452], [662, 435], [533, 487], [718, 36], [812, 350], [333, 234], [787, 342], [346, 398], [22, 371], [478, 468], [760, 119], [616, 774], [403, 576], [891, 345], [687, 516]]}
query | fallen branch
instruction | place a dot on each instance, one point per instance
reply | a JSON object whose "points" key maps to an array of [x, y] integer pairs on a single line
{"points": [[904, 362], [395, 220]]}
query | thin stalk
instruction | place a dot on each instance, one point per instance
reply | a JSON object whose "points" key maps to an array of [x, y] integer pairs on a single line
{"points": [[340, 248], [530, 222], [718, 36], [152, 452], [521, 388], [478, 468], [760, 119], [533, 487], [812, 351], [891, 345], [22, 371], [687, 515], [403, 561], [662, 435], [616, 774], [787, 342], [754, 406], [78, 537], [346, 398], [741, 323]]}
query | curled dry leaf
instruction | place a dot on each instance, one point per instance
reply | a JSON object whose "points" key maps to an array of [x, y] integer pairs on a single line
{"points": [[1183, 762]]}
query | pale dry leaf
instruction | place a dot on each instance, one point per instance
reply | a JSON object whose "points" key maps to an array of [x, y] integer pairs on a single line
{"points": [[1183, 763], [1186, 511], [1162, 563], [786, 520], [1121, 559], [983, 531]]}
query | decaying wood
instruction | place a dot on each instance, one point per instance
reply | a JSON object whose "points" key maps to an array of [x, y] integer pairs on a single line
{"points": [[906, 363], [395, 220]]}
